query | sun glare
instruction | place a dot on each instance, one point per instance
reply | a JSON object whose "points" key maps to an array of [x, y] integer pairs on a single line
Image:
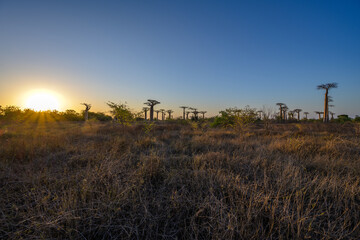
{"points": [[42, 101]]}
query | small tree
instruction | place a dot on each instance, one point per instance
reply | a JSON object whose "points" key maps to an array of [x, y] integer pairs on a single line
{"points": [[86, 111], [122, 114]]}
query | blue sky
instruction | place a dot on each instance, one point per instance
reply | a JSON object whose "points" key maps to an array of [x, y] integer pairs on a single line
{"points": [[207, 54]]}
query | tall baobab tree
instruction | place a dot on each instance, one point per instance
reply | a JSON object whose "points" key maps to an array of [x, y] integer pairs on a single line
{"points": [[326, 87], [86, 112], [157, 114], [184, 107], [151, 104], [284, 109], [260, 113], [281, 105], [203, 113], [162, 114], [145, 109], [187, 114], [319, 113], [298, 113], [169, 112], [306, 113]]}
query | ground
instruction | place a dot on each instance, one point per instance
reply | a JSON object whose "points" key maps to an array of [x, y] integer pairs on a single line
{"points": [[179, 181]]}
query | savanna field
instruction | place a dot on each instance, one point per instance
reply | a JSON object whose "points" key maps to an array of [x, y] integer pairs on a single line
{"points": [[179, 181]]}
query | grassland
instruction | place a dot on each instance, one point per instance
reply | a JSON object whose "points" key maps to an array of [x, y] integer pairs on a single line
{"points": [[179, 181]]}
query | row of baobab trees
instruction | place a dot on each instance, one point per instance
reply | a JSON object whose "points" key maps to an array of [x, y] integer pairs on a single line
{"points": [[150, 108], [284, 112]]}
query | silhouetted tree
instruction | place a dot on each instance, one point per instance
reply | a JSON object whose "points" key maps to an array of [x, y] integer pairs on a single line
{"points": [[162, 114], [203, 113], [151, 104], [332, 115], [86, 111], [326, 87], [187, 114], [306, 113], [285, 109], [281, 105], [157, 114], [145, 109], [169, 112], [184, 107], [319, 114], [298, 113]]}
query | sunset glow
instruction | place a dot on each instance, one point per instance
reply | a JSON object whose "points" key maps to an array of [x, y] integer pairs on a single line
{"points": [[42, 101]]}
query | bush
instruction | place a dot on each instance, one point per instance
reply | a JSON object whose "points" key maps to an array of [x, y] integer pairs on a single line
{"points": [[235, 118]]}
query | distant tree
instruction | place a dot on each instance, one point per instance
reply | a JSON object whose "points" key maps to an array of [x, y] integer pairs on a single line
{"points": [[86, 111], [184, 108], [317, 112], [326, 87], [187, 114], [121, 113], [343, 118], [169, 112], [285, 109], [145, 109], [157, 114], [306, 113], [203, 113], [162, 114], [151, 104], [235, 118], [298, 113], [332, 115], [281, 105]]}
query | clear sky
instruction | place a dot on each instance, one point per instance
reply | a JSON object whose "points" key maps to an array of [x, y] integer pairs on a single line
{"points": [[206, 54]]}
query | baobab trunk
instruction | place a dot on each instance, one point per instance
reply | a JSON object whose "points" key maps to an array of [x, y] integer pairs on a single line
{"points": [[326, 107], [151, 112]]}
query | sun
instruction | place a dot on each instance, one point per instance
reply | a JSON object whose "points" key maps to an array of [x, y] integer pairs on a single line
{"points": [[42, 100]]}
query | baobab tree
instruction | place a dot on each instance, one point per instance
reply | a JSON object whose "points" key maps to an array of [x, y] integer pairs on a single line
{"points": [[332, 115], [157, 114], [326, 87], [162, 114], [281, 105], [86, 111], [319, 113], [306, 113], [169, 112], [291, 115], [184, 107], [203, 113], [145, 109], [151, 104], [187, 114], [284, 109], [298, 113]]}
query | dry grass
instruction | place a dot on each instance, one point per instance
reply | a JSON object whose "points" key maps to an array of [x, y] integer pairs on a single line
{"points": [[76, 181]]}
